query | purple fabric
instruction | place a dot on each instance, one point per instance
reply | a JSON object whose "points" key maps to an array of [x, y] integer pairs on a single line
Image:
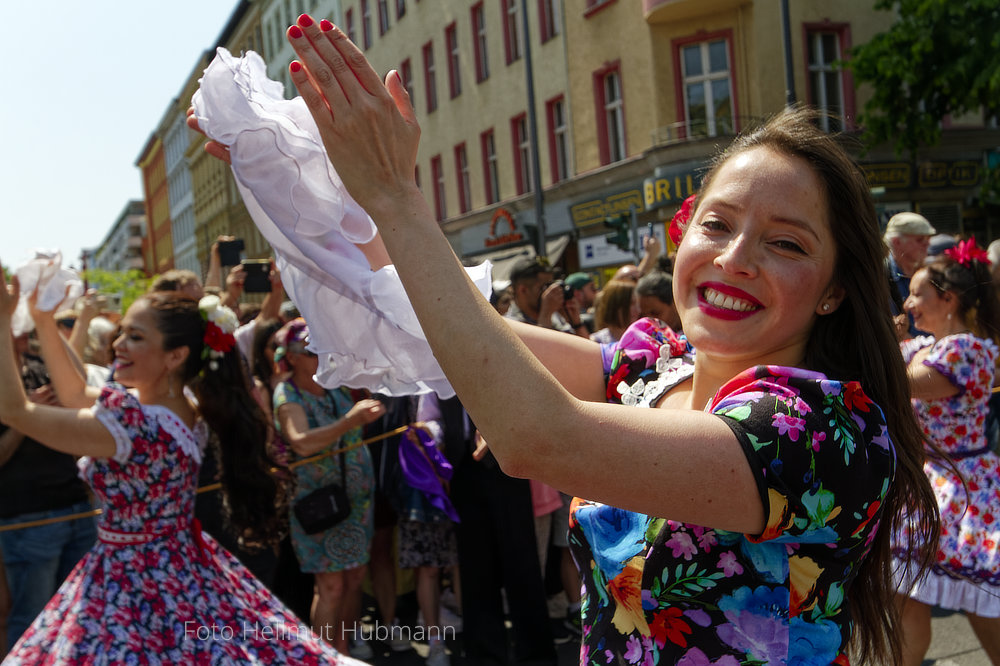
{"points": [[422, 466]]}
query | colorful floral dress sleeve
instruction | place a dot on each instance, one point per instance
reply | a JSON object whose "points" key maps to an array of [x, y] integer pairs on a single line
{"points": [[964, 361], [120, 412]]}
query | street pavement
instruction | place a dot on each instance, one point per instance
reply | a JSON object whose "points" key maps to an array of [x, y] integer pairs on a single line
{"points": [[952, 644]]}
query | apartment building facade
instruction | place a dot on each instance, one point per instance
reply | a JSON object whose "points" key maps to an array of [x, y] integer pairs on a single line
{"points": [[632, 99], [123, 247]]}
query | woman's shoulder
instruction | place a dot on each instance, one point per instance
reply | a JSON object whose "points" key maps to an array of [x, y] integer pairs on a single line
{"points": [[807, 391]]}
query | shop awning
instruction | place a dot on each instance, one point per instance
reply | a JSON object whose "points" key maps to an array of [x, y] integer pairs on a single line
{"points": [[503, 259]]}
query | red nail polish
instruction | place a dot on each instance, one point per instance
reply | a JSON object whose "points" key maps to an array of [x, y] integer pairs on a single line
{"points": [[305, 20], [325, 26], [294, 32], [295, 66]]}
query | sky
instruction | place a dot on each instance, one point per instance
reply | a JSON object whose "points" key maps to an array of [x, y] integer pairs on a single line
{"points": [[85, 84]]}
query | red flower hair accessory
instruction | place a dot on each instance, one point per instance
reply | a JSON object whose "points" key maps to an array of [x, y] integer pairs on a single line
{"points": [[680, 220], [220, 324], [966, 252]]}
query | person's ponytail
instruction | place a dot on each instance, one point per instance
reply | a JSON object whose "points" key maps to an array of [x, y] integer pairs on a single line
{"points": [[254, 500]]}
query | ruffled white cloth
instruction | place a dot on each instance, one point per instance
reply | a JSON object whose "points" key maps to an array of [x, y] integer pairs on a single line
{"points": [[936, 588], [57, 287], [361, 324]]}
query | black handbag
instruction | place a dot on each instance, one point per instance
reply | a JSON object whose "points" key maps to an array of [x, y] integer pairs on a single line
{"points": [[324, 507]]}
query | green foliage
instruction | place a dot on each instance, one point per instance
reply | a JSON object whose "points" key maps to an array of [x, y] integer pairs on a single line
{"points": [[941, 57], [124, 285]]}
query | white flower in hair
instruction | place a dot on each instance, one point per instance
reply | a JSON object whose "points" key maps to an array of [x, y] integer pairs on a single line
{"points": [[213, 310]]}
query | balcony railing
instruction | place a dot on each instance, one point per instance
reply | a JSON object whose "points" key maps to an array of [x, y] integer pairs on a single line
{"points": [[684, 130]]}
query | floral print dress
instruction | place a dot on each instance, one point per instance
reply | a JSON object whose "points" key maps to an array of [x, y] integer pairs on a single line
{"points": [[154, 589], [347, 544], [664, 592], [966, 574]]}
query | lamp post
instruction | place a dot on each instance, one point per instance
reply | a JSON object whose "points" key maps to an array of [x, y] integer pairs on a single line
{"points": [[536, 176]]}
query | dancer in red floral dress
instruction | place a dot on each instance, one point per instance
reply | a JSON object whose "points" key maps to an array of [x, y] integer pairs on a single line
{"points": [[154, 589]]}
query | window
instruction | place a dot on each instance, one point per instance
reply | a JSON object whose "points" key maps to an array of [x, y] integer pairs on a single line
{"points": [[406, 74], [548, 19], [462, 174], [522, 153], [491, 174], [366, 24], [512, 43], [430, 77], [437, 176], [349, 24], [454, 71], [610, 114], [555, 111], [383, 16], [400, 9], [826, 83], [709, 108], [479, 42]]}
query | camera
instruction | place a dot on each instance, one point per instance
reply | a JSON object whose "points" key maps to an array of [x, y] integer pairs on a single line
{"points": [[567, 291], [230, 251], [258, 273]]}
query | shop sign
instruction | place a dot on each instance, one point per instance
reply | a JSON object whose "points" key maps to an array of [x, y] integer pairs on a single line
{"points": [[508, 231], [668, 189], [929, 175], [587, 213]]}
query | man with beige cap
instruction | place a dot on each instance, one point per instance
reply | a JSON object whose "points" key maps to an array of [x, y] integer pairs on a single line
{"points": [[908, 236]]}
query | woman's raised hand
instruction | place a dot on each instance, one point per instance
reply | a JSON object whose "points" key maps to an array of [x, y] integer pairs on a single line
{"points": [[368, 126], [213, 148], [9, 294]]}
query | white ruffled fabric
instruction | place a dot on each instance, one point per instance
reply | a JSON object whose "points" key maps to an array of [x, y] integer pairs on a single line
{"points": [[58, 287], [936, 588], [361, 323]]}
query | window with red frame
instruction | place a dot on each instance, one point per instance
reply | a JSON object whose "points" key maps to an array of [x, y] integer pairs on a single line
{"points": [[548, 19], [826, 79], [454, 70], [366, 25], [491, 171], [610, 111], [558, 126], [383, 16], [349, 25], [400, 9], [406, 74], [430, 77], [512, 39], [708, 88], [462, 178], [522, 153], [437, 176], [479, 42]]}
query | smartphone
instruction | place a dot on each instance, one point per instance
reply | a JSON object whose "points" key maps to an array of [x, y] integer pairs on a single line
{"points": [[258, 278], [229, 252]]}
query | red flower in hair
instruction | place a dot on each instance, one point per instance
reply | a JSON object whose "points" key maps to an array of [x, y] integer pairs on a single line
{"points": [[680, 221], [966, 252], [218, 340]]}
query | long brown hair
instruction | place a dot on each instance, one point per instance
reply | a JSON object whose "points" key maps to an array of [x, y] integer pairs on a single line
{"points": [[252, 497], [857, 342]]}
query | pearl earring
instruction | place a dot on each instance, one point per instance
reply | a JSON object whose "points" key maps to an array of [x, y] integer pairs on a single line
{"points": [[826, 307]]}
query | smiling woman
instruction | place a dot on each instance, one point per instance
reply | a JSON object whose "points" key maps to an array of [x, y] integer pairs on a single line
{"points": [[154, 581], [744, 515]]}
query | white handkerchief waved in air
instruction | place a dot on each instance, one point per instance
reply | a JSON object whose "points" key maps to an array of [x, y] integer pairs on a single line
{"points": [[360, 322], [57, 287]]}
